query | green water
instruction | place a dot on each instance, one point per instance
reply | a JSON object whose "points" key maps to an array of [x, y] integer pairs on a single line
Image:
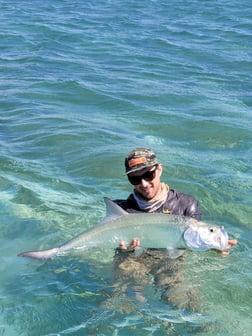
{"points": [[84, 82]]}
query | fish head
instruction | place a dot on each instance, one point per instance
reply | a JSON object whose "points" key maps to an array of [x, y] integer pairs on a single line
{"points": [[204, 237]]}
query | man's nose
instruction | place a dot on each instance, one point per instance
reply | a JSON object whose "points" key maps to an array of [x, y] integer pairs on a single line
{"points": [[144, 183]]}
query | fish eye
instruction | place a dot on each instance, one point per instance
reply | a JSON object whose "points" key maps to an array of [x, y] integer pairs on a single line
{"points": [[211, 229]]}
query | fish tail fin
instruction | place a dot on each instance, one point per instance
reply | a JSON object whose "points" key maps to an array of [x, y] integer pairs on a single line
{"points": [[40, 255]]}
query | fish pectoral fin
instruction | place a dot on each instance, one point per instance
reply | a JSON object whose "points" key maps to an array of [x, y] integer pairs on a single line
{"points": [[174, 253]]}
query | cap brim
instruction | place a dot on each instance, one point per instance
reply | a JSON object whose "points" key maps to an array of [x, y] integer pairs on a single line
{"points": [[140, 168]]}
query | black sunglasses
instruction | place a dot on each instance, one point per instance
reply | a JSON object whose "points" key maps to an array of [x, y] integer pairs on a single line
{"points": [[148, 176]]}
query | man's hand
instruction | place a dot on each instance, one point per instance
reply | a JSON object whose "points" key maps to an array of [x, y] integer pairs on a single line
{"points": [[135, 242], [231, 243]]}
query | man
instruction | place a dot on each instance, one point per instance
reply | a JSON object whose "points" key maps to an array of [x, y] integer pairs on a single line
{"points": [[150, 194], [144, 172]]}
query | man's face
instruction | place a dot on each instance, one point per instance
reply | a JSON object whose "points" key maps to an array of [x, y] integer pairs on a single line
{"points": [[147, 181]]}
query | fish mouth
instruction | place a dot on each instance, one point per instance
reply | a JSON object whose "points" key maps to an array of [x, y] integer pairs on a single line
{"points": [[223, 239]]}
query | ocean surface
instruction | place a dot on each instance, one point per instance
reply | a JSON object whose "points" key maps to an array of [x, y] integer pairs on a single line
{"points": [[82, 83]]}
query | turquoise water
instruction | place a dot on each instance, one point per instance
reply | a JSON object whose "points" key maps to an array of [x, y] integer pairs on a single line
{"points": [[82, 83]]}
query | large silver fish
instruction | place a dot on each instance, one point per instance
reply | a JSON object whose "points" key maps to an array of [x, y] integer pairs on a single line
{"points": [[155, 230]]}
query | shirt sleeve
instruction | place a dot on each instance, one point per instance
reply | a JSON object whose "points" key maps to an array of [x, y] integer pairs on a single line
{"points": [[193, 210]]}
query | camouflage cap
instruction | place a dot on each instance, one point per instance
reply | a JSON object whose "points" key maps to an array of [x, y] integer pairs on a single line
{"points": [[139, 158]]}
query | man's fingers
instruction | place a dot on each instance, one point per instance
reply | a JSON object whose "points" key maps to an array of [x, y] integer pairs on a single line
{"points": [[135, 242], [122, 245], [231, 243]]}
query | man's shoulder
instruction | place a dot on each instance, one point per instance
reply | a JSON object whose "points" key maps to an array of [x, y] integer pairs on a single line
{"points": [[173, 193], [181, 203]]}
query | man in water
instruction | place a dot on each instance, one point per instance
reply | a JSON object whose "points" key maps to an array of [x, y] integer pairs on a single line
{"points": [[150, 194], [144, 172]]}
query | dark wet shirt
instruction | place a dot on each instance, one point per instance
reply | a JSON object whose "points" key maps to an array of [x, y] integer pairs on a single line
{"points": [[177, 203]]}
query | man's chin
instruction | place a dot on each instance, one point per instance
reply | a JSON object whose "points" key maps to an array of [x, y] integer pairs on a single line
{"points": [[147, 195]]}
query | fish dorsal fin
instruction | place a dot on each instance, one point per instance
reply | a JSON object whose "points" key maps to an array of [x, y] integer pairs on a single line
{"points": [[113, 210]]}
